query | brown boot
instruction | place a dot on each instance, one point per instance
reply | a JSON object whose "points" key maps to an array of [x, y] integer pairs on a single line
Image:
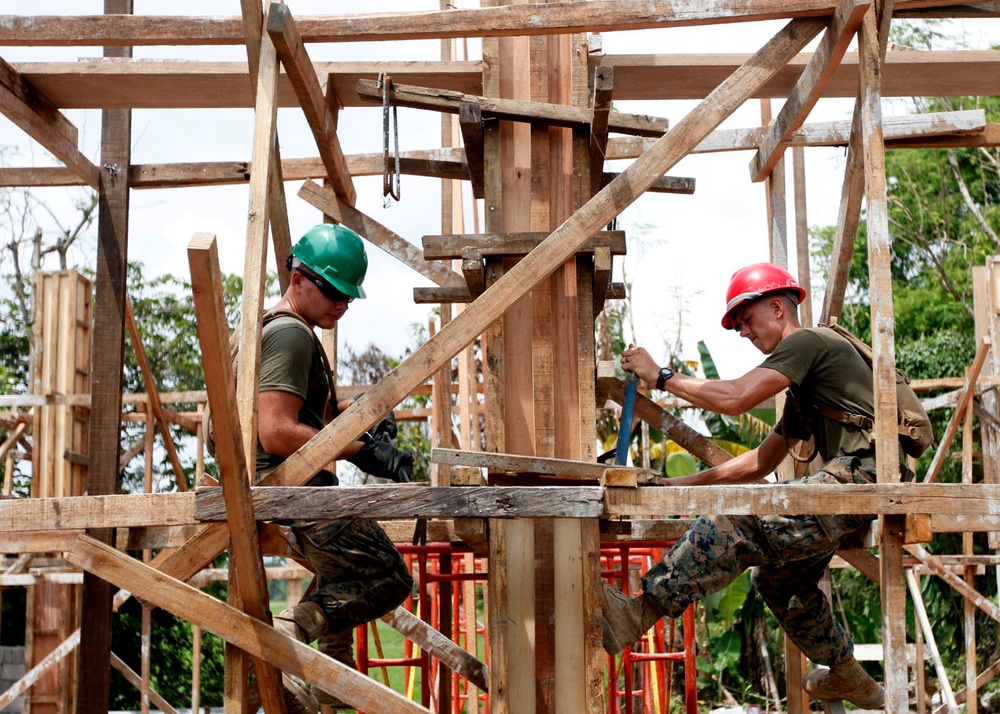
{"points": [[340, 646], [303, 622], [846, 680], [298, 698], [626, 619]]}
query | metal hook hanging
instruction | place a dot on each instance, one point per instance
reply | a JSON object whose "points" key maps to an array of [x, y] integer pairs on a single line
{"points": [[390, 181]]}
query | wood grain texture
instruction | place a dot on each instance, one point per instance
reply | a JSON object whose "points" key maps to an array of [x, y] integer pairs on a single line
{"points": [[390, 502], [239, 629], [511, 244]]}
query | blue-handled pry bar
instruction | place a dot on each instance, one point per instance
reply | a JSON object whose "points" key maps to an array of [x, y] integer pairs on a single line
{"points": [[628, 411]]}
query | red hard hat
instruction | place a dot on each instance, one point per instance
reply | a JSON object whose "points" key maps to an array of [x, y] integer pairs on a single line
{"points": [[755, 281]]}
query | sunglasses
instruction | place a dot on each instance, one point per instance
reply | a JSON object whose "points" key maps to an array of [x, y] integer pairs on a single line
{"points": [[328, 291]]}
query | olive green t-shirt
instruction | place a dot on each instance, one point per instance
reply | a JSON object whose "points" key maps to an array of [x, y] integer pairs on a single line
{"points": [[290, 362], [824, 367]]}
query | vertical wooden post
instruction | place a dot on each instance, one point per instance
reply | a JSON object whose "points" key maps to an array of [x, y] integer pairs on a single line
{"points": [[971, 688], [802, 234], [93, 683]]}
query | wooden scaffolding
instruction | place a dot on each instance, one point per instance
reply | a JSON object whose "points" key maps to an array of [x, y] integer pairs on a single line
{"points": [[535, 125]]}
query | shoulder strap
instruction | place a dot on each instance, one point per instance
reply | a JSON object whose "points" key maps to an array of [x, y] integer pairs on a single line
{"points": [[275, 313]]}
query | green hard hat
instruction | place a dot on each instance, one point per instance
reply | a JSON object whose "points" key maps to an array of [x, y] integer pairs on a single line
{"points": [[336, 254]]}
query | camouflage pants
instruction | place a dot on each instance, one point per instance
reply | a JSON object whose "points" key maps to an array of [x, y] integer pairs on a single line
{"points": [[360, 576], [788, 555]]}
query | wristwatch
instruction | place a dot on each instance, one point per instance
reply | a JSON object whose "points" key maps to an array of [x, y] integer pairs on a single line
{"points": [[661, 380]]}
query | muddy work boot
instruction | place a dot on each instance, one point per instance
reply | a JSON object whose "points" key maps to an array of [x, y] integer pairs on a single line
{"points": [[339, 646], [298, 699], [304, 622], [626, 619], [846, 680]]}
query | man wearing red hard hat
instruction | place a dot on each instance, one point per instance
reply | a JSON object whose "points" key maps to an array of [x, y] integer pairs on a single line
{"points": [[788, 554]]}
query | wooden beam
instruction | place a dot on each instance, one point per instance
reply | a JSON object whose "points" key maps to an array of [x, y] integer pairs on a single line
{"points": [[440, 647], [132, 678], [514, 245], [604, 78], [243, 631], [180, 84], [213, 334], [541, 113], [474, 271], [810, 86], [602, 277], [515, 463], [470, 121], [377, 234], [389, 502], [301, 73], [526, 19], [107, 362], [667, 184], [154, 398], [918, 131], [966, 395], [40, 119]]}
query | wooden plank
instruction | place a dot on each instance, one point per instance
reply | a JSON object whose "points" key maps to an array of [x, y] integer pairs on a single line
{"points": [[982, 351], [474, 271], [184, 84], [40, 119], [132, 678], [377, 234], [919, 131], [517, 463], [810, 86], [879, 255], [794, 499], [440, 647], [512, 244], [390, 502], [983, 603], [802, 233], [213, 335], [301, 73], [154, 398], [603, 88], [524, 19], [245, 632], [255, 258], [667, 184], [93, 683], [602, 277], [470, 120], [109, 511], [539, 113]]}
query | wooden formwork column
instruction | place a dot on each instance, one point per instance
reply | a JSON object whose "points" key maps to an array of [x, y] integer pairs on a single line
{"points": [[62, 329], [544, 639]]}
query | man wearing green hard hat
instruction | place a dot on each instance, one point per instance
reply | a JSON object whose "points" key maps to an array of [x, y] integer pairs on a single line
{"points": [[360, 575]]}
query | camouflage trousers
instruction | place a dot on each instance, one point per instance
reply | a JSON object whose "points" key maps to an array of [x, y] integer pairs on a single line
{"points": [[788, 556], [360, 576]]}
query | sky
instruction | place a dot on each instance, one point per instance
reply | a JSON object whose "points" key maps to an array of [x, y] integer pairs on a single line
{"points": [[682, 249]]}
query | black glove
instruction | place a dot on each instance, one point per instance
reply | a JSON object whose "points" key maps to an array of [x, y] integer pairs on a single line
{"points": [[386, 429], [382, 459]]}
